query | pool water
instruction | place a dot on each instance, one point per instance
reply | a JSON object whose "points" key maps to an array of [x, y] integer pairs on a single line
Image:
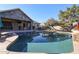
{"points": [[40, 42]]}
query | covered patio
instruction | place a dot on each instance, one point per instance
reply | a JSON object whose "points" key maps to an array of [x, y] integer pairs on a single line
{"points": [[15, 19]]}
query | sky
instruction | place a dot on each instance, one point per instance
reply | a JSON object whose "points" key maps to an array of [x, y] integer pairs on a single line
{"points": [[38, 12]]}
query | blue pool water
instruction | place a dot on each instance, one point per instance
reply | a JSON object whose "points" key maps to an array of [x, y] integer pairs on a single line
{"points": [[39, 42]]}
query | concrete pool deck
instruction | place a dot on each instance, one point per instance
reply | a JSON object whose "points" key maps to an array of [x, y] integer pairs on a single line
{"points": [[4, 44], [9, 40]]}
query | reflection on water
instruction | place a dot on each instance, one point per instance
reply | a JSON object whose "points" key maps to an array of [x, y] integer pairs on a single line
{"points": [[39, 38], [24, 38], [42, 37], [50, 38]]}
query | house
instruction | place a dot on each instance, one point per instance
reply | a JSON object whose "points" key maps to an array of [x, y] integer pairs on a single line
{"points": [[15, 19], [36, 25]]}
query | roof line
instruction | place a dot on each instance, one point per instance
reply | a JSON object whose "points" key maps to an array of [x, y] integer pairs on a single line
{"points": [[3, 11], [9, 10]]}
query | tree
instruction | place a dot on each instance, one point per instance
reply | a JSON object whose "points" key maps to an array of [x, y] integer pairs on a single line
{"points": [[50, 22], [69, 16]]}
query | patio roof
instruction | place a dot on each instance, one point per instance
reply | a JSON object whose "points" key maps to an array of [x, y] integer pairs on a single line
{"points": [[36, 22], [16, 14]]}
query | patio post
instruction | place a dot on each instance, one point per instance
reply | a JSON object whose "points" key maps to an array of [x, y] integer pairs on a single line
{"points": [[31, 25], [0, 26]]}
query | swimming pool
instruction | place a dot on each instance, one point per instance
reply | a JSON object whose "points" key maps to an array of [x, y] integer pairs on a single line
{"points": [[42, 42]]}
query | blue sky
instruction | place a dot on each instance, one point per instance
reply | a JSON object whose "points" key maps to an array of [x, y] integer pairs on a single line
{"points": [[38, 12]]}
